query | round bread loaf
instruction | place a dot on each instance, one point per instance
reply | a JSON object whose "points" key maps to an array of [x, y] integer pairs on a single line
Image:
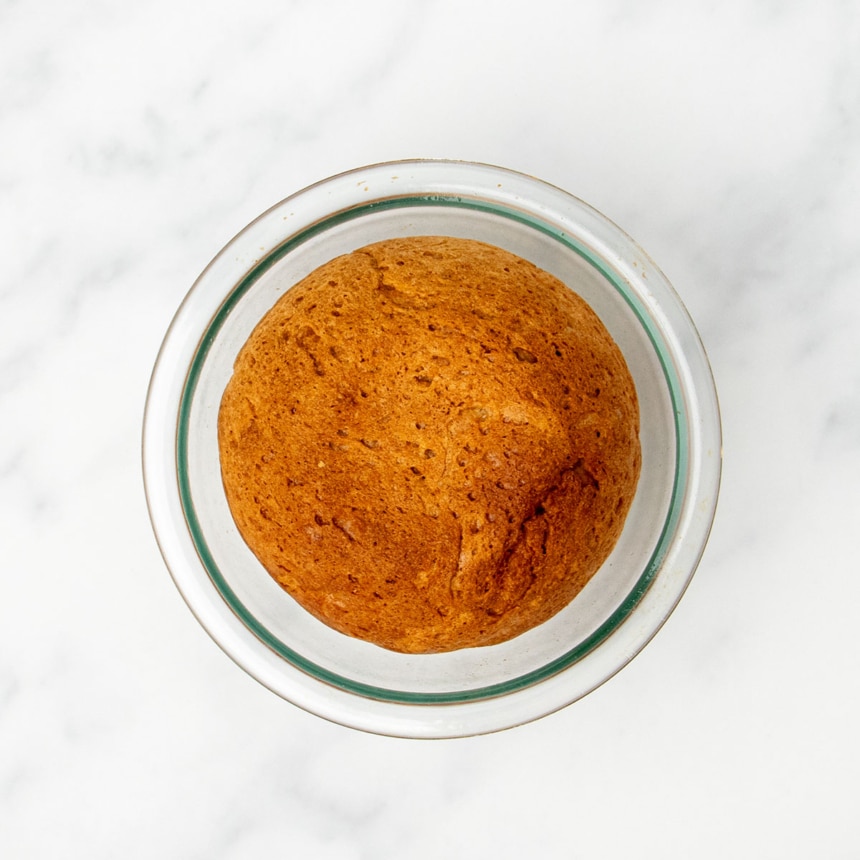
{"points": [[430, 443]]}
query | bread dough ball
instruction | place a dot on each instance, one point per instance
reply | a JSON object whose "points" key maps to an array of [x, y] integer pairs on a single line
{"points": [[430, 443]]}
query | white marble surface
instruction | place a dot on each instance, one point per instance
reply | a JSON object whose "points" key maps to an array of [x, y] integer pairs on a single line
{"points": [[136, 139]]}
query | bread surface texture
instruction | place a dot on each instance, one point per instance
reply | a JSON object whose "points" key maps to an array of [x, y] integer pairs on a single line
{"points": [[430, 443]]}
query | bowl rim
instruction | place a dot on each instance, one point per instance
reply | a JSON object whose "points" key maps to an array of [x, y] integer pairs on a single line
{"points": [[458, 712]]}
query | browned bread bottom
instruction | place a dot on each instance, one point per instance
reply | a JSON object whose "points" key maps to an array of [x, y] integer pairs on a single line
{"points": [[430, 443]]}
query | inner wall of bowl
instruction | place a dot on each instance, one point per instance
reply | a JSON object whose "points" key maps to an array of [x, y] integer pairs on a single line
{"points": [[350, 663]]}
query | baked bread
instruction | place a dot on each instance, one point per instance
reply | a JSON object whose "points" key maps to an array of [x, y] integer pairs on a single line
{"points": [[430, 443]]}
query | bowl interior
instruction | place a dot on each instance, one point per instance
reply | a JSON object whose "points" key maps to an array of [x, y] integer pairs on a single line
{"points": [[472, 674]]}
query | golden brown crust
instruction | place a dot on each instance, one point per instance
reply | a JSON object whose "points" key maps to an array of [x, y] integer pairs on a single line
{"points": [[430, 443]]}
